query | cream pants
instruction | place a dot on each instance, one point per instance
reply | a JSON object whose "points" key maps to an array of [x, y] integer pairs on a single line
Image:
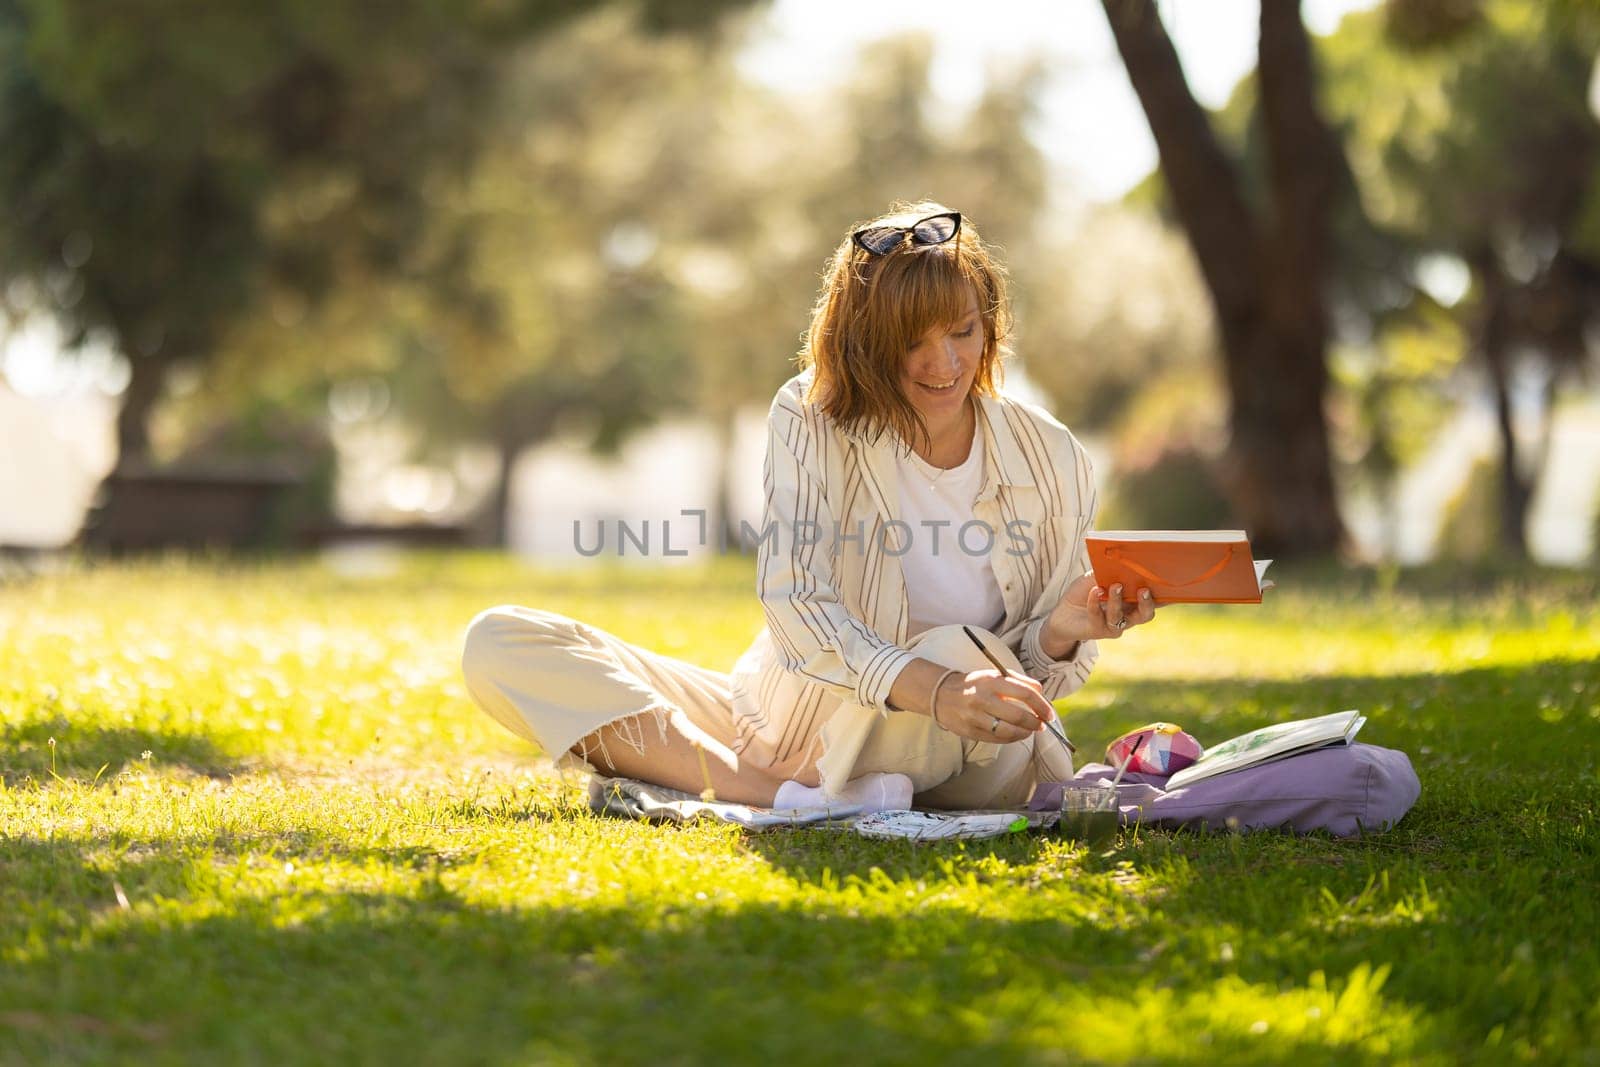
{"points": [[556, 681]]}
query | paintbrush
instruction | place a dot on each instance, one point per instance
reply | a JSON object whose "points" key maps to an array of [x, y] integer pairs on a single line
{"points": [[1051, 724], [1132, 752]]}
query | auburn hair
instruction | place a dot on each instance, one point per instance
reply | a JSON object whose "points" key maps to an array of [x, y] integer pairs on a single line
{"points": [[873, 309]]}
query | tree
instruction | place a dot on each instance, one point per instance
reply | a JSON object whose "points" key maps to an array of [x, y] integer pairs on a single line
{"points": [[1395, 347], [1477, 146], [170, 166], [1265, 268], [573, 314], [639, 235], [1511, 185], [683, 213]]}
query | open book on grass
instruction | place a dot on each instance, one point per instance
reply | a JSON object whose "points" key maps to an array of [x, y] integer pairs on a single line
{"points": [[1275, 742], [1179, 566]]}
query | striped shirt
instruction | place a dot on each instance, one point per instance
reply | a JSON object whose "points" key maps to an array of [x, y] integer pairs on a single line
{"points": [[830, 582]]}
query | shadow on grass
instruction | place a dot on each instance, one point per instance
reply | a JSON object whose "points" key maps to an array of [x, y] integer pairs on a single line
{"points": [[86, 752], [1486, 719], [370, 977]]}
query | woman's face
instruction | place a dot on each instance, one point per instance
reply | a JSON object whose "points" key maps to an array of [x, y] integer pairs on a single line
{"points": [[939, 370]]}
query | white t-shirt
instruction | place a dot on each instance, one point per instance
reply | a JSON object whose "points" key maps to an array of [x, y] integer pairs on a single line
{"points": [[944, 583]]}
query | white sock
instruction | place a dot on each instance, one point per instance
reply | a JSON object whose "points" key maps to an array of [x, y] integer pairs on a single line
{"points": [[874, 792]]}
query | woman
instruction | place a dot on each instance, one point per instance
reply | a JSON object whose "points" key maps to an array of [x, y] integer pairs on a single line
{"points": [[906, 496]]}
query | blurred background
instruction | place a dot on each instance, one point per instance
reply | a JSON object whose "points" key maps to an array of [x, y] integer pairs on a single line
{"points": [[313, 277]]}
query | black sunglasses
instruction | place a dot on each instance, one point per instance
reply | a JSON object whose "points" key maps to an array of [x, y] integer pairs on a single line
{"points": [[933, 230]]}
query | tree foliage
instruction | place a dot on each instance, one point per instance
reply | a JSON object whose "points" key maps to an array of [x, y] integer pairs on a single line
{"points": [[648, 241], [170, 166], [1471, 130]]}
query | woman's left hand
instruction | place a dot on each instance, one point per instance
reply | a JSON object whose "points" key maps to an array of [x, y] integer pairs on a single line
{"points": [[1088, 613]]}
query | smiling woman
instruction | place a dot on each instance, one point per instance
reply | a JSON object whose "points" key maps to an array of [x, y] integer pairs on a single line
{"points": [[909, 504], [911, 323]]}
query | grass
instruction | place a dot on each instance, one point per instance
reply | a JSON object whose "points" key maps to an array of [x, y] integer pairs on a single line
{"points": [[247, 814]]}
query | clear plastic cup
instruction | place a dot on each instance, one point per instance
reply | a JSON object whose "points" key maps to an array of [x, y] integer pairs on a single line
{"points": [[1089, 812]]}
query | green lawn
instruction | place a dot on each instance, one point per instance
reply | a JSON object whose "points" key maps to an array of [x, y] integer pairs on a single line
{"points": [[247, 814]]}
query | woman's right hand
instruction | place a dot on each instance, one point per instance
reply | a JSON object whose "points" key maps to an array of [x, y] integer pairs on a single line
{"points": [[989, 706]]}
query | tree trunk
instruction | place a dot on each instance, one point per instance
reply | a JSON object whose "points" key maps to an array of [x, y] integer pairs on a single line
{"points": [[722, 518], [499, 509], [1265, 277], [515, 430], [148, 376], [1279, 468], [1494, 338]]}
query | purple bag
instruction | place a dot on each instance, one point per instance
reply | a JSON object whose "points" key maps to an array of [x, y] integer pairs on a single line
{"points": [[1345, 790]]}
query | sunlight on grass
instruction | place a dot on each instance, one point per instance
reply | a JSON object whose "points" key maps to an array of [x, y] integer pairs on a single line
{"points": [[248, 811]]}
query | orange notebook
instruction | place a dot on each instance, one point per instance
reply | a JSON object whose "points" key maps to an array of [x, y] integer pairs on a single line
{"points": [[1179, 566]]}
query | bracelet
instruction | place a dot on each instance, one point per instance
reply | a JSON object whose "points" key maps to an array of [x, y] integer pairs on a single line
{"points": [[933, 700]]}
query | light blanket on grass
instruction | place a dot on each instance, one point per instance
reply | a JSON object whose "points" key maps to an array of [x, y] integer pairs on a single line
{"points": [[631, 799]]}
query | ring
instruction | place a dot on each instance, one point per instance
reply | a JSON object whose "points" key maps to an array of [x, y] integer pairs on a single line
{"points": [[995, 724], [1122, 624]]}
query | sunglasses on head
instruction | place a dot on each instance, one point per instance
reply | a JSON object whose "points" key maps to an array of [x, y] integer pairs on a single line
{"points": [[933, 230]]}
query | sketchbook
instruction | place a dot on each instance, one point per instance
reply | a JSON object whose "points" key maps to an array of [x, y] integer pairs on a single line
{"points": [[1179, 566], [1278, 741]]}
